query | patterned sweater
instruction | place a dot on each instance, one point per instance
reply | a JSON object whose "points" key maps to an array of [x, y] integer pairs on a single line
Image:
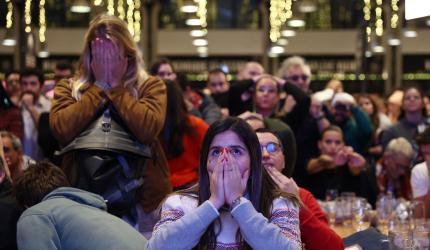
{"points": [[183, 223]]}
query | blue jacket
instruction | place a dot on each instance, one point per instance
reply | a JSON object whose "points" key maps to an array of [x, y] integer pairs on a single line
{"points": [[70, 218]]}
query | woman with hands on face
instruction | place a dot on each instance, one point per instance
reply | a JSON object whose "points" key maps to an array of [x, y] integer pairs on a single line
{"points": [[338, 166], [111, 77], [334, 153], [235, 205], [314, 228]]}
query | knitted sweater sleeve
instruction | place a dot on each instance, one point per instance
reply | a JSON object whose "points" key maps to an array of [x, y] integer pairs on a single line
{"points": [[281, 231], [180, 229]]}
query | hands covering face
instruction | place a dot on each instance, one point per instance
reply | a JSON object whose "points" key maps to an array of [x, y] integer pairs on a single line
{"points": [[226, 181], [108, 62]]}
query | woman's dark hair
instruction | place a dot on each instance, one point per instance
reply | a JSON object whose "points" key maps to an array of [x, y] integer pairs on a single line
{"points": [[37, 181], [177, 123], [375, 115], [405, 90], [260, 187], [156, 66]]}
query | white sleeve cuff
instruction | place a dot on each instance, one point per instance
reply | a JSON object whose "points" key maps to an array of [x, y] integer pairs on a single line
{"points": [[212, 206]]}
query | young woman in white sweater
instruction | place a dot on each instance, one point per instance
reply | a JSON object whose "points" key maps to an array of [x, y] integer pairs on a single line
{"points": [[235, 205]]}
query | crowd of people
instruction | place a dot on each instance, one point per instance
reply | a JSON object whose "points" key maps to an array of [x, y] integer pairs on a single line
{"points": [[114, 157]]}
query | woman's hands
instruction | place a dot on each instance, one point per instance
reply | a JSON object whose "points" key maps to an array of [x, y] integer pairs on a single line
{"points": [[227, 183], [108, 62], [284, 183]]}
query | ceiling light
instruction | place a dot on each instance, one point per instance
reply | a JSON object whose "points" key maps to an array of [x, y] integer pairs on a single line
{"points": [[189, 8], [288, 33], [368, 53], [378, 49], [307, 6], [282, 42], [43, 52], [200, 42], [194, 21], [296, 22], [198, 33], [394, 42], [202, 50], [428, 21], [410, 33], [80, 6], [277, 49], [9, 39]]}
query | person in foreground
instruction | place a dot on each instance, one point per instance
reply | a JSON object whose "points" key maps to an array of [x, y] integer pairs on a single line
{"points": [[235, 205], [314, 227], [61, 217]]}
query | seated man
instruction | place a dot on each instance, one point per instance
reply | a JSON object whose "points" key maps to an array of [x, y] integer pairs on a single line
{"points": [[392, 171], [420, 181], [337, 167], [61, 217], [314, 227]]}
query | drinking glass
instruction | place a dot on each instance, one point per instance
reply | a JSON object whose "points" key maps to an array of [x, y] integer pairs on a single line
{"points": [[331, 194]]}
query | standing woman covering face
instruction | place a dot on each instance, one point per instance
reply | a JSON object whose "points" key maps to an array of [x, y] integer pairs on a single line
{"points": [[235, 205], [111, 74]]}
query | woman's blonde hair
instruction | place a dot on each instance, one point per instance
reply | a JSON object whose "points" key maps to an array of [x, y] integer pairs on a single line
{"points": [[116, 28]]}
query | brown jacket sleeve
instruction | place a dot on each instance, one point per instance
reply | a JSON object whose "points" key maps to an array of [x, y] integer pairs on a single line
{"points": [[143, 116], [70, 116]]}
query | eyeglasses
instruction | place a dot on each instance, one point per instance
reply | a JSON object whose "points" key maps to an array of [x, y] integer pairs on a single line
{"points": [[295, 78], [271, 147]]}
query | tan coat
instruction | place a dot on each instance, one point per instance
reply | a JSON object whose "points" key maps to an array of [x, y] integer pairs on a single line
{"points": [[144, 117]]}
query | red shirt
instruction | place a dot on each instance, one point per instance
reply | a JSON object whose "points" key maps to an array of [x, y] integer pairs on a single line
{"points": [[314, 228], [184, 168], [11, 120]]}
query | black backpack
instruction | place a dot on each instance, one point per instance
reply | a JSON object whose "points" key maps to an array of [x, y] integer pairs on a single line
{"points": [[109, 161]]}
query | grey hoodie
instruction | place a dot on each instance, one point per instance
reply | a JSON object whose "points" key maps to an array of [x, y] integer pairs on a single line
{"points": [[70, 218]]}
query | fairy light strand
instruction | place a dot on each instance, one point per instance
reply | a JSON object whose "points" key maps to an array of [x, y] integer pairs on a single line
{"points": [[130, 11], [379, 24], [394, 13], [110, 7], [42, 21], [27, 16], [9, 15], [120, 8], [202, 12], [137, 20], [280, 11], [367, 17], [97, 2]]}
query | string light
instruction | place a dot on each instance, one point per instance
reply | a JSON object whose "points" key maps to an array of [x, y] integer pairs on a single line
{"points": [[130, 21], [98, 2], [366, 11], [27, 15], [201, 13], [379, 25], [280, 11], [9, 15], [120, 7], [110, 8], [137, 20], [395, 13], [42, 21]]}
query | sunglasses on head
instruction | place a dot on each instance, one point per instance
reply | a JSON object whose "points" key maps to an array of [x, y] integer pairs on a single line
{"points": [[295, 78], [271, 147]]}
